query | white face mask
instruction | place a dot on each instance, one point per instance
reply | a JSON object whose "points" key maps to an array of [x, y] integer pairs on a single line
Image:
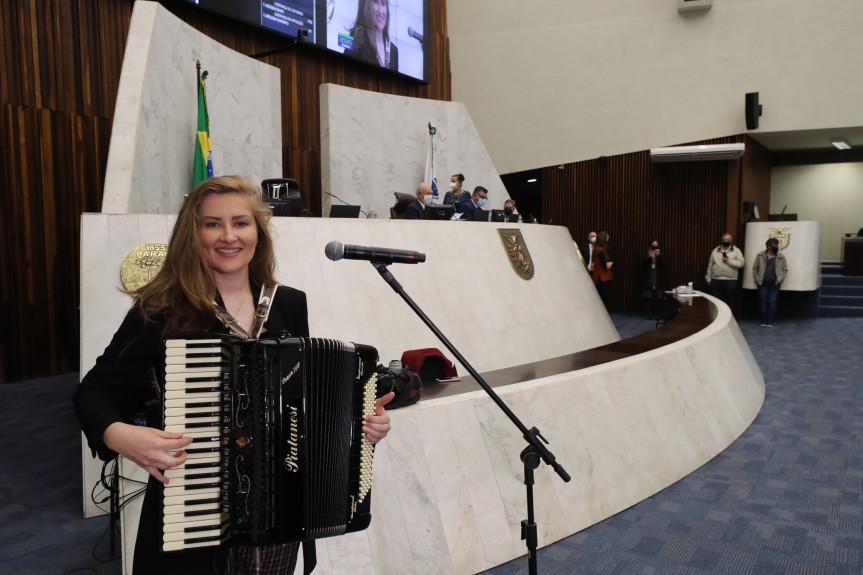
{"points": [[593, 240], [453, 186], [427, 199]]}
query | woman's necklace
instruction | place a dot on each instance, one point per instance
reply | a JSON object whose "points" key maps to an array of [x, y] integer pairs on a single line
{"points": [[236, 316]]}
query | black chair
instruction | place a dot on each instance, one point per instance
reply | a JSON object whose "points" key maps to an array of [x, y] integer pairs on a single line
{"points": [[283, 196], [397, 212]]}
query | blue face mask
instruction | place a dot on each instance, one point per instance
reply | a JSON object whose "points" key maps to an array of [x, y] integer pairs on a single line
{"points": [[480, 203]]}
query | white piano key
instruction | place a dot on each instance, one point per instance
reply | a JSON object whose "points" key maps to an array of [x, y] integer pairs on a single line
{"points": [[176, 513], [180, 411], [213, 383], [183, 351], [212, 417], [186, 481], [183, 496], [175, 531], [211, 373], [186, 430], [213, 458], [179, 399], [190, 371], [186, 342]]}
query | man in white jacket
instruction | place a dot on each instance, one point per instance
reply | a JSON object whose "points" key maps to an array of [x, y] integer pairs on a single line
{"points": [[725, 264]]}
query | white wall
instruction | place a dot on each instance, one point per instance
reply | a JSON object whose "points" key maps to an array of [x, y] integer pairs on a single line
{"points": [[565, 80], [375, 144], [829, 193]]}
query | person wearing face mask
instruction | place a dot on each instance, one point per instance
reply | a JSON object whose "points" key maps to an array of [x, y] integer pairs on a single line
{"points": [[725, 264], [415, 209], [456, 193], [653, 279], [768, 271], [477, 201], [509, 213], [587, 251]]}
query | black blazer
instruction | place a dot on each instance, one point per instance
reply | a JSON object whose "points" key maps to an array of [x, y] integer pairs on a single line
{"points": [[119, 384], [414, 211]]}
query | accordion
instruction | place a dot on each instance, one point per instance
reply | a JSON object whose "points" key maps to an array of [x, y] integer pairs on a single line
{"points": [[278, 454]]}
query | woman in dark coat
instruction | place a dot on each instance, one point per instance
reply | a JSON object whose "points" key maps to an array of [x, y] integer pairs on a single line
{"points": [[220, 258], [602, 263]]}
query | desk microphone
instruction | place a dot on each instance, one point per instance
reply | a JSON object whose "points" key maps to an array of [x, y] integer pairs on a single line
{"points": [[337, 250], [414, 34]]}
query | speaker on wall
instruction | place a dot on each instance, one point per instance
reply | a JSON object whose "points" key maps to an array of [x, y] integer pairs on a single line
{"points": [[753, 110]]}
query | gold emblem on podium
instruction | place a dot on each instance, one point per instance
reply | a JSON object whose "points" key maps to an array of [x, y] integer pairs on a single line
{"points": [[781, 234], [142, 264], [516, 249]]}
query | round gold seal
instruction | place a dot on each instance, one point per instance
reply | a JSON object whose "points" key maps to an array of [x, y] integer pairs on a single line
{"points": [[142, 264]]}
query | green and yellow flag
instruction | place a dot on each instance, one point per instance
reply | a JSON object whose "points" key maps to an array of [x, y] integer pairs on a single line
{"points": [[203, 151]]}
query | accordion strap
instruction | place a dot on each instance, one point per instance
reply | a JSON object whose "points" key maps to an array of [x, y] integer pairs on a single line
{"points": [[262, 311], [265, 302]]}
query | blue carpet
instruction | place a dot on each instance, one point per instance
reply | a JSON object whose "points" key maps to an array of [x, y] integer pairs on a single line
{"points": [[786, 498]]}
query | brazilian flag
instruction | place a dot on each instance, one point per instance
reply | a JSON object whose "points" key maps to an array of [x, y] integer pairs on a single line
{"points": [[203, 151]]}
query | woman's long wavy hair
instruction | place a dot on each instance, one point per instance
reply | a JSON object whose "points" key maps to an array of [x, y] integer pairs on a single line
{"points": [[184, 288], [362, 30]]}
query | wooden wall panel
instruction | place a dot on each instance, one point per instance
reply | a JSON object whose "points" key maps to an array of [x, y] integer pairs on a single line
{"points": [[60, 64], [686, 206]]}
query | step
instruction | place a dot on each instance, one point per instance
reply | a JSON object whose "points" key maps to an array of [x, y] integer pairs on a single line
{"points": [[841, 290], [841, 300], [835, 280], [839, 311]]}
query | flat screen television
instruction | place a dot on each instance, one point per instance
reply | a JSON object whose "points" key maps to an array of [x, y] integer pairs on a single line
{"points": [[338, 25]]}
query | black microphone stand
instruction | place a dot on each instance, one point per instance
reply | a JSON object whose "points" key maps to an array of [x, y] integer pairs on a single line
{"points": [[530, 455]]}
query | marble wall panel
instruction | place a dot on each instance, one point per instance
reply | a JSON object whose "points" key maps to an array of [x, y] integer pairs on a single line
{"points": [[373, 145], [151, 153]]}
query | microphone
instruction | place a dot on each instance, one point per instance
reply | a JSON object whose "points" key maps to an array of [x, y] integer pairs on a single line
{"points": [[414, 34], [337, 250]]}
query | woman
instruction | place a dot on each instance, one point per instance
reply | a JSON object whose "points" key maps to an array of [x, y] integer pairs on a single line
{"points": [[219, 258], [653, 279], [371, 34], [602, 266]]}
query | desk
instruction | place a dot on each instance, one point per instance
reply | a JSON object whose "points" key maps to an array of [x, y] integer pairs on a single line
{"points": [[852, 256]]}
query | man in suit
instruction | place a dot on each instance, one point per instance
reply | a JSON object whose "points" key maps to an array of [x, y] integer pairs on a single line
{"points": [[587, 251], [415, 209], [477, 201]]}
